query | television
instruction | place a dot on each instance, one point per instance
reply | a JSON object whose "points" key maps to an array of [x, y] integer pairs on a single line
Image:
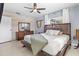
{"points": [[1, 10]]}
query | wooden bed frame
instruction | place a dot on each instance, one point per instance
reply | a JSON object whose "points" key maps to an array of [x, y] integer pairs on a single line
{"points": [[65, 28]]}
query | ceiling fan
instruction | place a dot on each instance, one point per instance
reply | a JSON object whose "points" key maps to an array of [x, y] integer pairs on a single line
{"points": [[35, 9]]}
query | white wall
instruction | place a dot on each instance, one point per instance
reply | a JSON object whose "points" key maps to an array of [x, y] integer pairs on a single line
{"points": [[66, 15], [47, 20], [5, 29], [16, 19], [74, 19], [61, 15]]}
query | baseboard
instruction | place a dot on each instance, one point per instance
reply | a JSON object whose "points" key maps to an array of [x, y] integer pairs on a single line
{"points": [[7, 41]]}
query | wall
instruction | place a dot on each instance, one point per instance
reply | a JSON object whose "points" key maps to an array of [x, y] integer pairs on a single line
{"points": [[74, 19], [15, 20], [55, 14], [5, 29], [58, 15], [32, 21], [66, 15]]}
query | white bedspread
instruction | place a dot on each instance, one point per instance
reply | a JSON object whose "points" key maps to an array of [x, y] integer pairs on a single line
{"points": [[55, 43]]}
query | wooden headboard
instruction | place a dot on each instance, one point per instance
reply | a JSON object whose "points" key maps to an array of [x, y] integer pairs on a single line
{"points": [[65, 27]]}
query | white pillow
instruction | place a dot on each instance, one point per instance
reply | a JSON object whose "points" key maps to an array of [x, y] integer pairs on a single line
{"points": [[48, 32], [55, 32], [52, 32]]}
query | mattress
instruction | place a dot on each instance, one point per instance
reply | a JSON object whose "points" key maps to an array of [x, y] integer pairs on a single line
{"points": [[55, 43]]}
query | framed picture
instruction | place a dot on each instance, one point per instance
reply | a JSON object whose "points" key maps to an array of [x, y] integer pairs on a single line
{"points": [[39, 23]]}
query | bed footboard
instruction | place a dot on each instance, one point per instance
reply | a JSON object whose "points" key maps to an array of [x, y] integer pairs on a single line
{"points": [[64, 49]]}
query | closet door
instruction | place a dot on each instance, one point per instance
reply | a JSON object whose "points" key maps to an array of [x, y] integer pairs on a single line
{"points": [[5, 29]]}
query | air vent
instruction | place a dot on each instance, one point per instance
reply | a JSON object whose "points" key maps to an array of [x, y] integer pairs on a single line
{"points": [[18, 13]]}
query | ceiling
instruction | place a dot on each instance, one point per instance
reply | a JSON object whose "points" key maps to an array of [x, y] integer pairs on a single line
{"points": [[50, 7]]}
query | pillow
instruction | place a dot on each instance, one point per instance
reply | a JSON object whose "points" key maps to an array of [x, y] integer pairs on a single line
{"points": [[52, 32], [60, 33], [48, 32]]}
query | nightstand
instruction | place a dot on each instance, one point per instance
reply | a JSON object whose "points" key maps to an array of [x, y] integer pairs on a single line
{"points": [[74, 43]]}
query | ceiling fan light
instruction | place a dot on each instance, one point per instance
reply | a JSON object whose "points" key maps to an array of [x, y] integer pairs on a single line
{"points": [[34, 10]]}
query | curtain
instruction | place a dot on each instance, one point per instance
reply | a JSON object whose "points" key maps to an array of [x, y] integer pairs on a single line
{"points": [[66, 15]]}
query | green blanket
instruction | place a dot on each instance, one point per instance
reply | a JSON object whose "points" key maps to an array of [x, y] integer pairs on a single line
{"points": [[38, 42]]}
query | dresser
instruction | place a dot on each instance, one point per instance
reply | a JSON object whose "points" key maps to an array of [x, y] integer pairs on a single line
{"points": [[77, 34], [20, 34]]}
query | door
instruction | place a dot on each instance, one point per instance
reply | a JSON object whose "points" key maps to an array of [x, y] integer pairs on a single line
{"points": [[5, 29]]}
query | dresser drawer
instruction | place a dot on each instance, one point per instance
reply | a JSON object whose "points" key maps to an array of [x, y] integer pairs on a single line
{"points": [[20, 35]]}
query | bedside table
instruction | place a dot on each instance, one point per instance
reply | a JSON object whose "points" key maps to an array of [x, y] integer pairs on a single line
{"points": [[74, 43]]}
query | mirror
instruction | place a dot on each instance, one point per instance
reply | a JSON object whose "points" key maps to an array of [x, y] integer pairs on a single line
{"points": [[23, 26]]}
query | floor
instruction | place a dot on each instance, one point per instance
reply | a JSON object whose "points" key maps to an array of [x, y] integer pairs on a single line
{"points": [[14, 48], [72, 52]]}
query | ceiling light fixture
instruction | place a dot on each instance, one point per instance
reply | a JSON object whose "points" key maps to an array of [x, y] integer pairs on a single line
{"points": [[35, 10]]}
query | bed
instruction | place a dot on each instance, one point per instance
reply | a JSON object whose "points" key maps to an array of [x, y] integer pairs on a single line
{"points": [[48, 43]]}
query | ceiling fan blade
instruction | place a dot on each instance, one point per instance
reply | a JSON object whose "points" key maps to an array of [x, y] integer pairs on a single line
{"points": [[34, 5], [28, 7], [41, 8], [31, 11], [38, 11]]}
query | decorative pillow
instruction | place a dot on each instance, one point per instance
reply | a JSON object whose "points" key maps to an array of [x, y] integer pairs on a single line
{"points": [[52, 32], [60, 33], [48, 32]]}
